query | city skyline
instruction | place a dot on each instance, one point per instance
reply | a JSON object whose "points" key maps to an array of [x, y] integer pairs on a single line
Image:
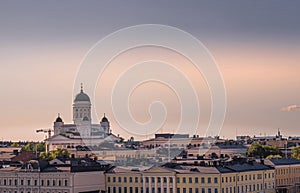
{"points": [[254, 43]]}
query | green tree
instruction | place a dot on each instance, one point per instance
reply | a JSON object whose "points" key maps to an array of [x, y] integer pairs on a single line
{"points": [[31, 146], [54, 154], [296, 152], [274, 156], [15, 144], [60, 153], [47, 156], [41, 146], [258, 150]]}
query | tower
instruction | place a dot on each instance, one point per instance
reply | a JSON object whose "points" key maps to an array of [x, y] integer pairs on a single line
{"points": [[105, 125], [81, 108], [58, 125]]}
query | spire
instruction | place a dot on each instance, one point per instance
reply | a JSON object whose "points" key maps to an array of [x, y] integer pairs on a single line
{"points": [[81, 87]]}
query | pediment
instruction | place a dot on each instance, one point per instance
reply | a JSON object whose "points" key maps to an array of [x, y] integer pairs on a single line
{"points": [[158, 170]]}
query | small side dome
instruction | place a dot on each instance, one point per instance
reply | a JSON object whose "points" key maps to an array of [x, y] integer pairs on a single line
{"points": [[104, 119], [58, 119]]}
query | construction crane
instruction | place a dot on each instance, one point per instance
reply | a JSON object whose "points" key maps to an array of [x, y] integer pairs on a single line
{"points": [[45, 131]]}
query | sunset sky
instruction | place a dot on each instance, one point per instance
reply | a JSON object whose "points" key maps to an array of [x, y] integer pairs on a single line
{"points": [[255, 43]]}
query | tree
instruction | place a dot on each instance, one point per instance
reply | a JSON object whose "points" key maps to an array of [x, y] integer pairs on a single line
{"points": [[274, 156], [263, 151], [60, 153], [296, 152], [54, 154], [31, 146], [15, 144], [47, 156]]}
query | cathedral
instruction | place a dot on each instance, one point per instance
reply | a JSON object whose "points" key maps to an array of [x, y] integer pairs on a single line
{"points": [[82, 132]]}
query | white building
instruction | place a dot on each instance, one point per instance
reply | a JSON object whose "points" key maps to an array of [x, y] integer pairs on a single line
{"points": [[82, 132]]}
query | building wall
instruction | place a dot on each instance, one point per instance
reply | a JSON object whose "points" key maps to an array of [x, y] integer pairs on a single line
{"points": [[287, 178], [189, 182], [51, 182]]}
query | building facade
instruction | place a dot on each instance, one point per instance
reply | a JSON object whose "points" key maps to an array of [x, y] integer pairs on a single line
{"points": [[233, 178]]}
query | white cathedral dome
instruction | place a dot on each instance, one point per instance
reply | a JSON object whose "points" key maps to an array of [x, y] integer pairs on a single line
{"points": [[82, 97]]}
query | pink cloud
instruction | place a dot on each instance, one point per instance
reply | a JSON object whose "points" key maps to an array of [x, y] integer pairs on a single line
{"points": [[291, 108]]}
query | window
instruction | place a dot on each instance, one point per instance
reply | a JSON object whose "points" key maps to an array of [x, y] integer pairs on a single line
{"points": [[203, 190], [178, 180], [136, 179], [209, 190], [16, 182], [130, 179], [183, 180], [66, 182], [114, 179], [215, 180], [196, 180], [190, 190], [35, 182], [119, 179], [108, 179], [125, 179], [216, 190], [171, 180], [48, 182], [209, 180], [190, 180], [202, 180]]}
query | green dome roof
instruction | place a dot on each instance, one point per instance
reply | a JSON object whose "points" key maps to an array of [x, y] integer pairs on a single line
{"points": [[58, 119], [104, 119], [82, 96]]}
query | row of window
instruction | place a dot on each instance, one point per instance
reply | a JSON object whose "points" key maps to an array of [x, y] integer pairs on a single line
{"points": [[247, 177], [163, 179], [161, 190], [14, 182], [287, 171], [15, 191], [247, 188], [203, 180]]}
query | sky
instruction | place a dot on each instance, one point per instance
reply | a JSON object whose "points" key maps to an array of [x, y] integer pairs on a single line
{"points": [[255, 44]]}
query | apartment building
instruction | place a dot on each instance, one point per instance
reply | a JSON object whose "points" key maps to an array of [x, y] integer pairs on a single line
{"points": [[249, 177], [79, 176], [287, 174]]}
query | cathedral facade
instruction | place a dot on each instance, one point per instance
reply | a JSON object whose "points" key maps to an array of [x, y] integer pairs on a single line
{"points": [[82, 132]]}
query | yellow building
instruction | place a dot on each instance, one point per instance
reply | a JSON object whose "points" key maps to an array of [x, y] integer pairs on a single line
{"points": [[173, 178], [287, 174]]}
